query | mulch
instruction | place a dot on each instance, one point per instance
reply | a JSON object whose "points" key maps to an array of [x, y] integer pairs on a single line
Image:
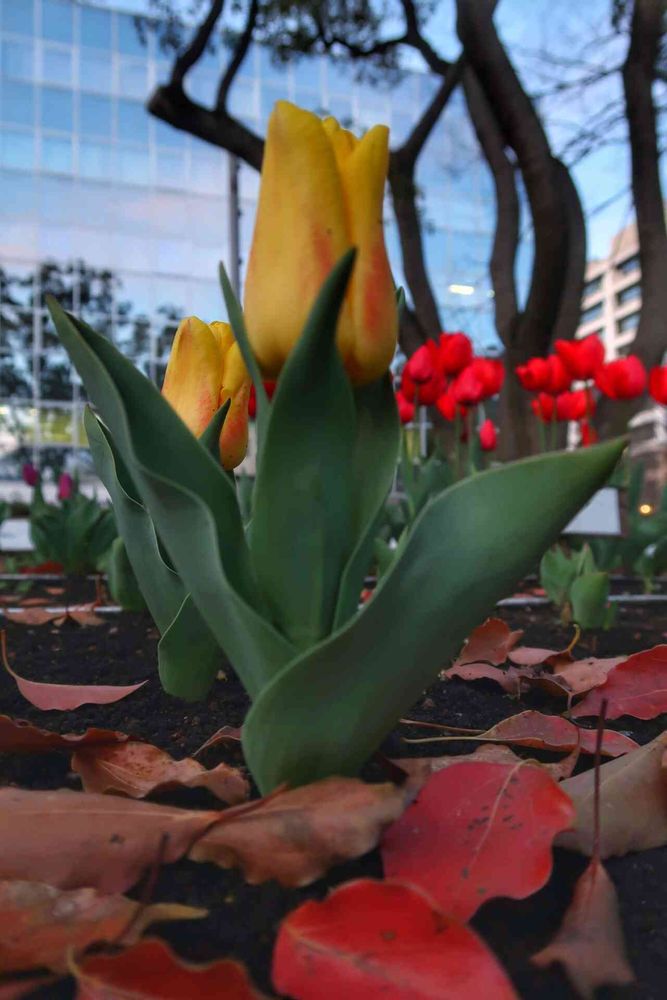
{"points": [[243, 919]]}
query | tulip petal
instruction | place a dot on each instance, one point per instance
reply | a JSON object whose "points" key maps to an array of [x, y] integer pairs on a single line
{"points": [[367, 343], [300, 232], [193, 378]]}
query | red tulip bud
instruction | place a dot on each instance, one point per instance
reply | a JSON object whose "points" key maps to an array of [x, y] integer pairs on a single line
{"points": [[624, 378], [488, 436]]}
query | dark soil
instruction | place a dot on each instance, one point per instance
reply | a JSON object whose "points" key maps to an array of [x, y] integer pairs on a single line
{"points": [[243, 919]]}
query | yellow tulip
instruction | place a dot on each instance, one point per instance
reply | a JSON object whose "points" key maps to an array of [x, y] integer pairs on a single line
{"points": [[206, 369], [321, 192]]}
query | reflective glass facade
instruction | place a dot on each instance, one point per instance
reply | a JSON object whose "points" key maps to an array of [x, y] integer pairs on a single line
{"points": [[125, 218]]}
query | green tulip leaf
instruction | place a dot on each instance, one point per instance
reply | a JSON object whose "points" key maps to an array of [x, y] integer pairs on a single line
{"points": [[302, 520], [589, 595], [191, 501], [237, 323], [373, 468], [189, 657], [163, 591], [328, 710]]}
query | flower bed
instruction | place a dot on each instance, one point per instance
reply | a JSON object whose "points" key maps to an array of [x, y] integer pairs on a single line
{"points": [[243, 919]]}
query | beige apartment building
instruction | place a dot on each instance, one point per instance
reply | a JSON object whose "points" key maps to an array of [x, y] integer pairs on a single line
{"points": [[611, 305]]}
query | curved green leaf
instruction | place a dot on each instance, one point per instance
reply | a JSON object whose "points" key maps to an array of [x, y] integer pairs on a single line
{"points": [[373, 469], [163, 591], [237, 323], [190, 499], [189, 657], [326, 712], [302, 513]]}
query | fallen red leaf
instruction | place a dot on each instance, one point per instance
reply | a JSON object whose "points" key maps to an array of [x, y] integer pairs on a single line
{"points": [[19, 736], [476, 831], [633, 803], [589, 942], [490, 642], [40, 925], [534, 729], [295, 836], [65, 697], [140, 769], [31, 616], [72, 839], [82, 614], [33, 602], [18, 988], [553, 732], [382, 939], [151, 971], [509, 680], [636, 687], [422, 767], [50, 566]]}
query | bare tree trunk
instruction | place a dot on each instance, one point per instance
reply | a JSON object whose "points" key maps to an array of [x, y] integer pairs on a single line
{"points": [[503, 117], [638, 77]]}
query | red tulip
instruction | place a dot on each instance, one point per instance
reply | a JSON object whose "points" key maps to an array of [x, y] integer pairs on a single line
{"points": [[657, 384], [406, 409], [30, 474], [543, 407], [65, 486], [588, 433], [270, 387], [447, 406], [422, 365], [488, 436], [558, 376], [573, 405], [425, 393], [491, 373], [624, 378], [455, 353], [468, 388], [534, 375], [583, 357]]}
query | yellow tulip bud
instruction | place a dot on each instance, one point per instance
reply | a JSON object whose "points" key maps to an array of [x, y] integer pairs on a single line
{"points": [[321, 192], [206, 369]]}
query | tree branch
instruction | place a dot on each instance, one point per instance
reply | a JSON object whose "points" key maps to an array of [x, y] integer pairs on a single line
{"points": [[409, 152], [240, 52], [195, 50]]}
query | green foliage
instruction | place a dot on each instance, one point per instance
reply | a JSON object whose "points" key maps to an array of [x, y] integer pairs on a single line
{"points": [[327, 681], [77, 532], [122, 581], [140, 577], [575, 584]]}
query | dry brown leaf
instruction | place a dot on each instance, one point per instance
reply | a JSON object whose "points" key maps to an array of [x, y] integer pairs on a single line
{"points": [[226, 734], [19, 736], [633, 803], [295, 836], [589, 942], [40, 924], [509, 680], [422, 767], [74, 839], [16, 989], [490, 642], [140, 769]]}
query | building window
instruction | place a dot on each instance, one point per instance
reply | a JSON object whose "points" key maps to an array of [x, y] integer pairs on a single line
{"points": [[629, 265], [628, 294], [17, 16], [57, 20], [17, 60], [95, 115], [592, 286], [95, 28], [628, 322], [57, 109], [593, 312]]}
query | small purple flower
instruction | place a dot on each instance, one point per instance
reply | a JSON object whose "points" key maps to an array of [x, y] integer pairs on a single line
{"points": [[30, 474], [65, 486]]}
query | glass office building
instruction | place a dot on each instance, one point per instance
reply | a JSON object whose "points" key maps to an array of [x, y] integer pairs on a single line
{"points": [[124, 218]]}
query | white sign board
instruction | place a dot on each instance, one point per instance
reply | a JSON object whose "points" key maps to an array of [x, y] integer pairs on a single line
{"points": [[600, 516]]}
